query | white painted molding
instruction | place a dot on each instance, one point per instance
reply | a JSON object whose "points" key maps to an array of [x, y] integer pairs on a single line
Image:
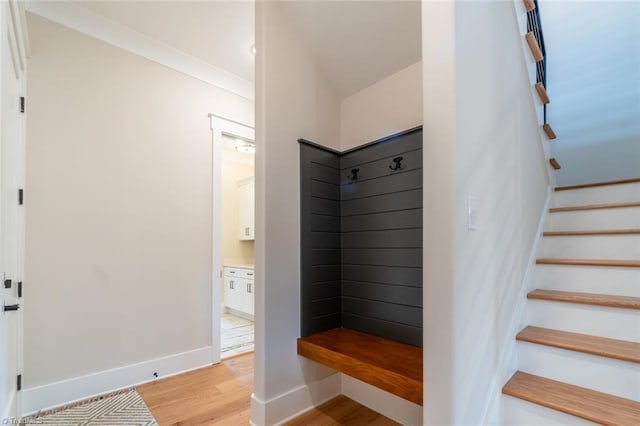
{"points": [[7, 410], [231, 127], [291, 404], [220, 125], [80, 388], [508, 358], [398, 409], [19, 31], [85, 21]]}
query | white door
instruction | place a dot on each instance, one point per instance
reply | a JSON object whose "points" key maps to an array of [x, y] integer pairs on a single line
{"points": [[12, 149]]}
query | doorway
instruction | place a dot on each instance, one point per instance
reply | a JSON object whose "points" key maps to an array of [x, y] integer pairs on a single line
{"points": [[233, 233]]}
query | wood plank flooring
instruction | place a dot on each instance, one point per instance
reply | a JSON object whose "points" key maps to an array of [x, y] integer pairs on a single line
{"points": [[216, 395], [341, 411], [221, 395]]}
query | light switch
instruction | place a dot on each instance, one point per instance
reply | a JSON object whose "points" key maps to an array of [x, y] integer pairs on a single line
{"points": [[472, 217]]}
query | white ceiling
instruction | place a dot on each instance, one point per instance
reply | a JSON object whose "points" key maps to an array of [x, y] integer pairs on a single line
{"points": [[593, 80], [355, 42], [219, 33]]}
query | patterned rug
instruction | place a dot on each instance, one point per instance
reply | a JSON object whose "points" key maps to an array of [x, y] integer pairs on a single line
{"points": [[124, 408]]}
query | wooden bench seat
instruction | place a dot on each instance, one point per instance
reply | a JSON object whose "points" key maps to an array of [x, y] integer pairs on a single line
{"points": [[391, 366]]}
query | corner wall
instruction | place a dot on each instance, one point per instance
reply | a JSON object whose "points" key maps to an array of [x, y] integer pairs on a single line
{"points": [[293, 100], [119, 175], [389, 106], [482, 139]]}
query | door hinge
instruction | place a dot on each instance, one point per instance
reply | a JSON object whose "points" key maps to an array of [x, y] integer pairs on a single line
{"points": [[19, 288], [22, 104], [7, 283], [19, 382], [21, 196]]}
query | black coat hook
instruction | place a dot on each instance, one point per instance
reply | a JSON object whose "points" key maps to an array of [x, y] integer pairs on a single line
{"points": [[398, 164], [354, 174]]}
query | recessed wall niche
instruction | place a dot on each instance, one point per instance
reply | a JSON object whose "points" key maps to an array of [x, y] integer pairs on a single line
{"points": [[361, 238]]}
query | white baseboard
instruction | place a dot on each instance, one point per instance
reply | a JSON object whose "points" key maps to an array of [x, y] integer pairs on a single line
{"points": [[79, 388], [385, 403], [295, 402], [8, 413]]}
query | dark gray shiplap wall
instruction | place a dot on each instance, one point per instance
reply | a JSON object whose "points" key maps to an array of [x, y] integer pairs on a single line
{"points": [[376, 286], [320, 239]]}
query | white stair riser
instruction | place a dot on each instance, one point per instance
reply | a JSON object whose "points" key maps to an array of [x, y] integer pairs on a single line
{"points": [[628, 218], [614, 323], [602, 374], [598, 195], [588, 279], [518, 412], [618, 247]]}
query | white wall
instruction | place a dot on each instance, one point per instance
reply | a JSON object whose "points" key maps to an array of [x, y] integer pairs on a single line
{"points": [[593, 80], [293, 100], [387, 107], [482, 139], [119, 214]]}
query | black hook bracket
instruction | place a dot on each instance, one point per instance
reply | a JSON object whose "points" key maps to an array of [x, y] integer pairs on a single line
{"points": [[354, 174], [397, 164]]}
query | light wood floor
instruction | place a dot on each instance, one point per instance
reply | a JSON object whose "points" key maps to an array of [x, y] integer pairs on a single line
{"points": [[221, 395], [341, 411]]}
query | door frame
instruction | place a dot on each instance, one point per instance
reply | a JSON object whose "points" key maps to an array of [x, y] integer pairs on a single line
{"points": [[220, 126], [16, 45]]}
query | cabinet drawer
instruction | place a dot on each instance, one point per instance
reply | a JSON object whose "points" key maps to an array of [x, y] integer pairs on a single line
{"points": [[239, 273]]}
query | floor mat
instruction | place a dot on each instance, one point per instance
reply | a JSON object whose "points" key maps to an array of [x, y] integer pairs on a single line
{"points": [[118, 409]]}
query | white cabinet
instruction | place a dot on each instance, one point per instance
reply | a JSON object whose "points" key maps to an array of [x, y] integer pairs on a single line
{"points": [[246, 207], [239, 290]]}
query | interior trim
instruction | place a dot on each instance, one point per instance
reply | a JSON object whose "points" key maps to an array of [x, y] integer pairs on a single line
{"points": [[78, 18]]}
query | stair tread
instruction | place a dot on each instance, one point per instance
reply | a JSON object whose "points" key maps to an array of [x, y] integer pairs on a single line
{"points": [[596, 184], [594, 207], [627, 302], [589, 262], [591, 232], [585, 403], [594, 345]]}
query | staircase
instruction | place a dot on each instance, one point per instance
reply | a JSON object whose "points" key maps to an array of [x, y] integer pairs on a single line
{"points": [[579, 358]]}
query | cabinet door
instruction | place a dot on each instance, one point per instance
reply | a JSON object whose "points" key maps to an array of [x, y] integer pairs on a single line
{"points": [[246, 194], [248, 297], [234, 293], [251, 210]]}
